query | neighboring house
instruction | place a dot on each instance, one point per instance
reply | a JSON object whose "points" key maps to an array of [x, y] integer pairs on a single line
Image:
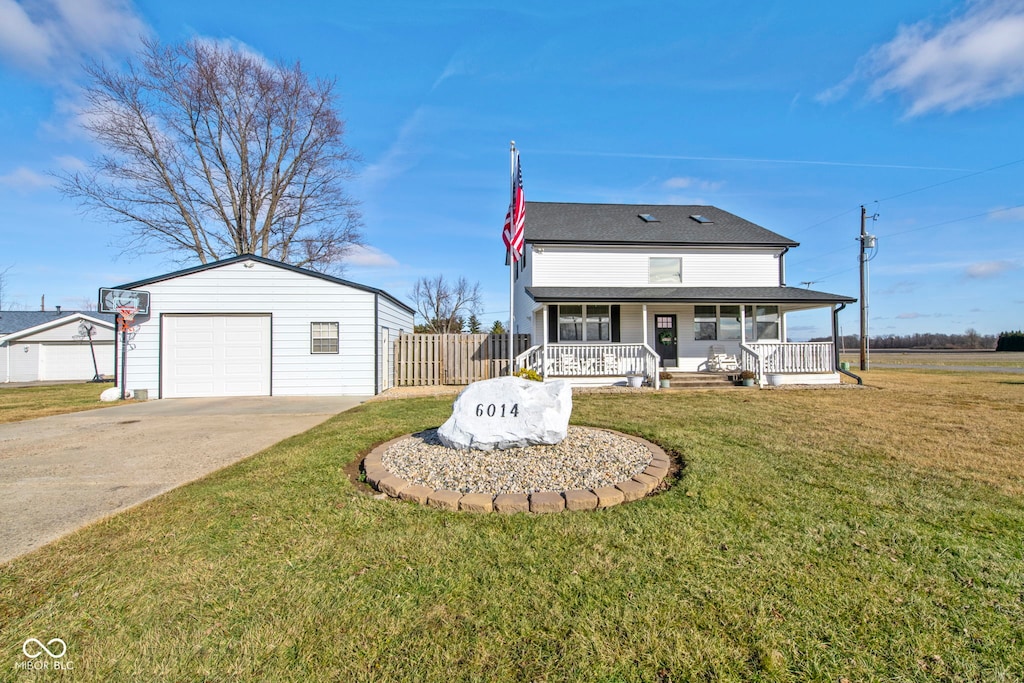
{"points": [[607, 289], [252, 326], [52, 346]]}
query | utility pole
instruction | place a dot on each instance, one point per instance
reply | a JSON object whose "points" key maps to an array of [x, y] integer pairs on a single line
{"points": [[863, 293], [866, 242]]}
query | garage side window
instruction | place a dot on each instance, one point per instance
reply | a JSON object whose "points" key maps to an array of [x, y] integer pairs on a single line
{"points": [[323, 338]]}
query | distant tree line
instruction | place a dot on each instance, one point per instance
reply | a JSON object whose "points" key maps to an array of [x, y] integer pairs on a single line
{"points": [[1010, 341], [969, 340]]}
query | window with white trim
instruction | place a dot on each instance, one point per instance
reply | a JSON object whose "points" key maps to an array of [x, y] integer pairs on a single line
{"points": [[762, 323], [716, 323], [323, 338], [665, 271], [584, 323]]}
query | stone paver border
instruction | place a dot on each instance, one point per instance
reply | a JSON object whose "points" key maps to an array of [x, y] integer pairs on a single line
{"points": [[540, 502]]}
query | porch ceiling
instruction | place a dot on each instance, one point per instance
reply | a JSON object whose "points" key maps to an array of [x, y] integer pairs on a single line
{"points": [[716, 295]]}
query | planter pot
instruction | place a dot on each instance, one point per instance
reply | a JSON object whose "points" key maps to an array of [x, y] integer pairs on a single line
{"points": [[748, 382], [634, 380], [664, 384]]}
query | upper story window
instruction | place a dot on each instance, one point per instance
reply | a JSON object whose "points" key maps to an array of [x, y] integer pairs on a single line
{"points": [[665, 270], [323, 338], [579, 323]]}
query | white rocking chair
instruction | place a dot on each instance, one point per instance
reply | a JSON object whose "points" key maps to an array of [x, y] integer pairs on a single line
{"points": [[720, 361]]}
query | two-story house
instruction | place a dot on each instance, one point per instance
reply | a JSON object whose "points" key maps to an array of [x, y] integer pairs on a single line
{"points": [[610, 289]]}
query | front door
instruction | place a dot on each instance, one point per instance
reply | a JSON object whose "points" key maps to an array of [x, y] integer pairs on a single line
{"points": [[666, 343]]}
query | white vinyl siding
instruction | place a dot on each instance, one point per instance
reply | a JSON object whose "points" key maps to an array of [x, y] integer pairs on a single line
{"points": [[391, 321], [294, 300], [606, 267], [24, 362]]}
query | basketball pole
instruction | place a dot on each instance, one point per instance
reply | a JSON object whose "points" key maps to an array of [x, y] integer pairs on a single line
{"points": [[122, 323]]}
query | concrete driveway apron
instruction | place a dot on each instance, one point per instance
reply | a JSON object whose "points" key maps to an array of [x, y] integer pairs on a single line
{"points": [[60, 473]]}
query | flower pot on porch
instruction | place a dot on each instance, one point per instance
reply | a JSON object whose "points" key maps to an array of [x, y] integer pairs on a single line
{"points": [[748, 382], [634, 381], [664, 383]]}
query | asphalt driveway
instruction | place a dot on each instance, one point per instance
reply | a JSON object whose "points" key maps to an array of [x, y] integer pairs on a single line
{"points": [[60, 473]]}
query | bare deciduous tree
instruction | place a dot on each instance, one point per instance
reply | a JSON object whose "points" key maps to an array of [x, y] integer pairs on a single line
{"points": [[443, 305], [210, 151]]}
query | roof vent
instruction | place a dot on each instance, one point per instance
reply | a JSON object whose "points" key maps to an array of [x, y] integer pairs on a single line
{"points": [[648, 218], [701, 219]]}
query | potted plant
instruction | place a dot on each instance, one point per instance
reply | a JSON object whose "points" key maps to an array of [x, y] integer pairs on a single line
{"points": [[634, 379], [747, 378], [665, 377]]}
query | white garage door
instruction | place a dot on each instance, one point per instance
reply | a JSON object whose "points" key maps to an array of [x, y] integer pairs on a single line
{"points": [[215, 355], [74, 361]]}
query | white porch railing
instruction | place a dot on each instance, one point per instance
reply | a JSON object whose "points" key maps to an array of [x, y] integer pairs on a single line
{"points": [[763, 358], [590, 360]]}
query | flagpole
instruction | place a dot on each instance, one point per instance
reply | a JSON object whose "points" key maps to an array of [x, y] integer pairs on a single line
{"points": [[511, 256]]}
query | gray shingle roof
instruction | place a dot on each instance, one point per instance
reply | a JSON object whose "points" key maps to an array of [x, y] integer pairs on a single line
{"points": [[718, 295], [562, 223], [16, 321]]}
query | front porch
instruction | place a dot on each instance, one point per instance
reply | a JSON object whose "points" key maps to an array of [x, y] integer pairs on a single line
{"points": [[772, 363]]}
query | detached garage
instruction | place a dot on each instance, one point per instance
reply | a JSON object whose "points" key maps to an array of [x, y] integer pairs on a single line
{"points": [[251, 326], [39, 346]]}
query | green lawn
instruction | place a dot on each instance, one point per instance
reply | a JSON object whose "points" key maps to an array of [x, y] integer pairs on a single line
{"points": [[866, 534], [27, 403]]}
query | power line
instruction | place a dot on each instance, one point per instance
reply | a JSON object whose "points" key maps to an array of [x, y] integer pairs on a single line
{"points": [[956, 220], [914, 191], [951, 180], [904, 232]]}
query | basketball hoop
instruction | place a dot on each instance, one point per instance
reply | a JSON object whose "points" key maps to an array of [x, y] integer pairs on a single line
{"points": [[127, 315]]}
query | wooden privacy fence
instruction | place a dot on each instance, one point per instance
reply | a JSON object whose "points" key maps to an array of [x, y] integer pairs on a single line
{"points": [[435, 359]]}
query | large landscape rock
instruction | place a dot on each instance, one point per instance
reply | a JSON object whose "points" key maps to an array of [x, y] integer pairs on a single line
{"points": [[508, 412]]}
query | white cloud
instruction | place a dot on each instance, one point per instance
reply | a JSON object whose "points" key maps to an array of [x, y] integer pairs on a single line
{"points": [[987, 269], [25, 179], [972, 60], [683, 182], [43, 36], [1015, 213], [71, 163], [911, 316], [369, 257]]}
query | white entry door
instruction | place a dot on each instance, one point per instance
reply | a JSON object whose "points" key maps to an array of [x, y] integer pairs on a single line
{"points": [[215, 355]]}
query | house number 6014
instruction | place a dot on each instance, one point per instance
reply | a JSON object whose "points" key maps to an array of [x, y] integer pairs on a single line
{"points": [[492, 410]]}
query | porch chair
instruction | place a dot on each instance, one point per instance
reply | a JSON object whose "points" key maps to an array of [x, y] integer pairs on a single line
{"points": [[720, 361]]}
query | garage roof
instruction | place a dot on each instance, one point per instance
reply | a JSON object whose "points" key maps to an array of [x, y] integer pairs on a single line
{"points": [[36, 321], [269, 262]]}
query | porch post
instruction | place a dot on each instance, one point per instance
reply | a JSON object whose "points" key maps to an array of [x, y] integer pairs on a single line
{"points": [[644, 325], [544, 345], [743, 324]]}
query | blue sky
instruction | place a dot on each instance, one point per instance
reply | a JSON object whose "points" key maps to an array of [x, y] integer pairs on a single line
{"points": [[789, 114]]}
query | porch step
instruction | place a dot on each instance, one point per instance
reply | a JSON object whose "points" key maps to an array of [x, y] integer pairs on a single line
{"points": [[701, 380]]}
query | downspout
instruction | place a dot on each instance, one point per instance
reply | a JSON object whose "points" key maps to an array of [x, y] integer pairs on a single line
{"points": [[782, 266], [835, 344]]}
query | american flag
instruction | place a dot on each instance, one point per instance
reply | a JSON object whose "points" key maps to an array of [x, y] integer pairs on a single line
{"points": [[515, 219]]}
